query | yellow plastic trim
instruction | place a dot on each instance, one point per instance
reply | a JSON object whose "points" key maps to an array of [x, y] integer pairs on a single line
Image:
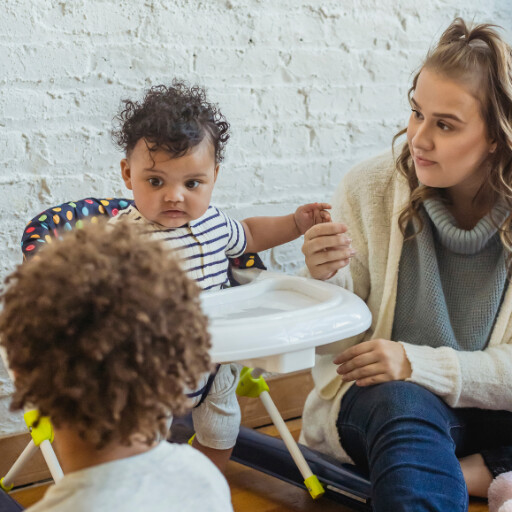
{"points": [[44, 429], [249, 386], [191, 440], [3, 487], [314, 487]]}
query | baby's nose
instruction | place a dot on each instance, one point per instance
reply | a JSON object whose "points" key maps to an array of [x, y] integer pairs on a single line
{"points": [[174, 194]]}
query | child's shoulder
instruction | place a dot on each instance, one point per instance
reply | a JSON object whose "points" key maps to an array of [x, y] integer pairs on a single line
{"points": [[214, 212]]}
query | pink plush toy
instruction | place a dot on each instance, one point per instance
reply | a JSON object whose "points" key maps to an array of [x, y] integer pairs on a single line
{"points": [[500, 493]]}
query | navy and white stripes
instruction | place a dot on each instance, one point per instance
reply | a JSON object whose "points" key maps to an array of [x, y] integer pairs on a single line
{"points": [[203, 245]]}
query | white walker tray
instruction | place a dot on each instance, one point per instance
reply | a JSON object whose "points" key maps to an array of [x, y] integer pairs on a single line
{"points": [[276, 321]]}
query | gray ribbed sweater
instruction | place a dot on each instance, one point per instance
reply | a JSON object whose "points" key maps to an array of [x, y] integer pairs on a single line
{"points": [[450, 281]]}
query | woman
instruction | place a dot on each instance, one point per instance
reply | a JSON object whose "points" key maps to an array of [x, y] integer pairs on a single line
{"points": [[432, 230]]}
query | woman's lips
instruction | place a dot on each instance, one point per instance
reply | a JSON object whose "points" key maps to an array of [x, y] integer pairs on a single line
{"points": [[418, 160]]}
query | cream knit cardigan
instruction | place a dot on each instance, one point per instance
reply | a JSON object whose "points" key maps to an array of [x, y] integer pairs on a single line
{"points": [[369, 200]]}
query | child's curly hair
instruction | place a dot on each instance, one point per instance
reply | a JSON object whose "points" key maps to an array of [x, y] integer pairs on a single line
{"points": [[174, 119], [104, 332]]}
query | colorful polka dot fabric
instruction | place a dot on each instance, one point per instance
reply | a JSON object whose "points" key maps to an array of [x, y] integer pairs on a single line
{"points": [[249, 260], [46, 226]]}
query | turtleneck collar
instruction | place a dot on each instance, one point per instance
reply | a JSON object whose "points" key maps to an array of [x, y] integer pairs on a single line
{"points": [[459, 240]]}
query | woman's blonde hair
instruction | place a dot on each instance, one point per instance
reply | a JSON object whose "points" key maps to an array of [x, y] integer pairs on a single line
{"points": [[478, 57]]}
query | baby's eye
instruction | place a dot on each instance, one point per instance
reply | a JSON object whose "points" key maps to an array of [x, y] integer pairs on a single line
{"points": [[155, 182], [192, 184], [416, 113]]}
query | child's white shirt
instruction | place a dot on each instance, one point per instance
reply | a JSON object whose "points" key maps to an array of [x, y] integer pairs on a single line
{"points": [[169, 477]]}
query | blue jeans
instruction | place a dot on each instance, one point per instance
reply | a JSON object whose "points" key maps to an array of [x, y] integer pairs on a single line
{"points": [[408, 440]]}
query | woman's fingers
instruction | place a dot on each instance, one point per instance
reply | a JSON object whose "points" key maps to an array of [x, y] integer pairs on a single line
{"points": [[357, 362], [363, 363], [324, 264], [323, 229], [327, 270], [326, 249], [355, 351], [326, 242], [374, 361], [369, 370], [332, 255], [374, 379]]}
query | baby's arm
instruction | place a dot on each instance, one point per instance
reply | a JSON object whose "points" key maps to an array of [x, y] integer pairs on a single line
{"points": [[266, 232]]}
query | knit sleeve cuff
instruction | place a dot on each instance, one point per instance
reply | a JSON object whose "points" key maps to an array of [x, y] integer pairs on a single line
{"points": [[436, 369]]}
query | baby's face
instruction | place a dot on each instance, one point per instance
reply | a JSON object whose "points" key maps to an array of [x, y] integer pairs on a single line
{"points": [[171, 191]]}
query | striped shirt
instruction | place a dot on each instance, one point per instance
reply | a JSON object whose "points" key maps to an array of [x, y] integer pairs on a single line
{"points": [[203, 245]]}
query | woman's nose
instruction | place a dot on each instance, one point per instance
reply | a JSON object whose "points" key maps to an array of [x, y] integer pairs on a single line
{"points": [[422, 138]]}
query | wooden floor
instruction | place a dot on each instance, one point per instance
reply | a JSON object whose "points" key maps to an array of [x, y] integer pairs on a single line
{"points": [[253, 491]]}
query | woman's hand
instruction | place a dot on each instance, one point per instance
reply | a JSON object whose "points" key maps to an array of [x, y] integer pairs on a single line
{"points": [[326, 249], [373, 362]]}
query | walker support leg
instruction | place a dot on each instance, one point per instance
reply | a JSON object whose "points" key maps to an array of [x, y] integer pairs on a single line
{"points": [[51, 460], [250, 386], [42, 437], [6, 482]]}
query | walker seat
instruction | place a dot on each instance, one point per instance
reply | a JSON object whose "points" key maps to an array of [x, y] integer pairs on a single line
{"points": [[49, 223]]}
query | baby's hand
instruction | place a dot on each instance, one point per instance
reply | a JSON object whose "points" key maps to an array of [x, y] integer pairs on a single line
{"points": [[308, 215]]}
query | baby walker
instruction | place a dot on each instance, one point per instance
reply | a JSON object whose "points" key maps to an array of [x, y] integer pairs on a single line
{"points": [[273, 322]]}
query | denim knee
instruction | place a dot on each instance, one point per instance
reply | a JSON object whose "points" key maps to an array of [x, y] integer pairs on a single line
{"points": [[401, 434], [389, 401]]}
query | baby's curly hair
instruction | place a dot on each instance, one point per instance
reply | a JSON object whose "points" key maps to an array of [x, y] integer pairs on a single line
{"points": [[174, 119], [104, 332]]}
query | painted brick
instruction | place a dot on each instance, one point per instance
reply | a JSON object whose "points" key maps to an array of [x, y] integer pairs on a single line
{"points": [[310, 88]]}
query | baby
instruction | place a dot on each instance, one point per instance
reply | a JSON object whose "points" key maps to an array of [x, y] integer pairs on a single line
{"points": [[174, 143]]}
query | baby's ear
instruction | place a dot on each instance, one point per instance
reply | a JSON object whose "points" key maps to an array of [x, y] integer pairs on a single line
{"points": [[126, 173], [216, 172]]}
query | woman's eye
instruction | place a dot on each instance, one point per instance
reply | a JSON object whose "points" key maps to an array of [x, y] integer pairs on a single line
{"points": [[417, 115], [444, 126], [155, 182], [191, 184]]}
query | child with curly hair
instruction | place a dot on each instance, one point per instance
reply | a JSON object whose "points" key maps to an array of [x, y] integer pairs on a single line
{"points": [[174, 142], [106, 348]]}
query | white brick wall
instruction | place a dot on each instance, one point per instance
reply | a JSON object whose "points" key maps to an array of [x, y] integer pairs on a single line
{"points": [[310, 87]]}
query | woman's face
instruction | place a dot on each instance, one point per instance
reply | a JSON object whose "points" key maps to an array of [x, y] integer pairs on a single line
{"points": [[447, 135]]}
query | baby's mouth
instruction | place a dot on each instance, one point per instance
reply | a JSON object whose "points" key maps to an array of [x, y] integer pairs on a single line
{"points": [[174, 213]]}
